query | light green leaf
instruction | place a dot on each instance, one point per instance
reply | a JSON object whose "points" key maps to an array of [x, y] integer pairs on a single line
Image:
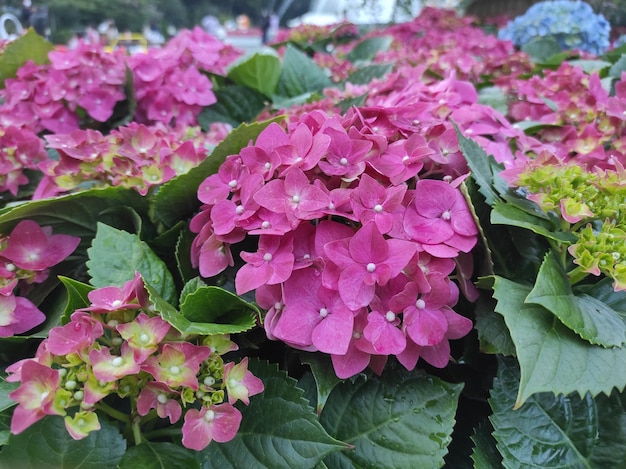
{"points": [[177, 199], [30, 46], [541, 48], [618, 67], [76, 296], [551, 431], [495, 97], [553, 358], [278, 430], [368, 48], [164, 455], [259, 71], [210, 304], [399, 419], [300, 75], [590, 66], [591, 319], [116, 255], [237, 321], [47, 445], [235, 105], [509, 214]]}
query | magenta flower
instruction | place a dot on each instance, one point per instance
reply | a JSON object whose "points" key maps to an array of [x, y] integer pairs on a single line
{"points": [[314, 315], [240, 382], [366, 260], [159, 396], [144, 334], [77, 335], [108, 299], [107, 367], [35, 396], [32, 247], [177, 364], [18, 315], [271, 264], [217, 422], [383, 205]]}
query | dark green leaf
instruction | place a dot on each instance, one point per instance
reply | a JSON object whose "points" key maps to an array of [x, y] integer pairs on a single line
{"points": [[552, 357], [300, 75], [238, 321], [347, 103], [591, 319], [47, 445], [551, 431], [5, 428], [164, 455], [116, 255], [5, 389], [400, 419], [30, 46], [235, 105], [177, 199], [259, 72], [279, 429], [364, 75], [493, 334], [485, 454], [324, 375], [368, 48], [484, 168], [76, 296]]}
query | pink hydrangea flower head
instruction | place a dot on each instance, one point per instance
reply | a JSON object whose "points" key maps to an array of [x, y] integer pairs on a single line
{"points": [[240, 382], [35, 395], [217, 422], [177, 364], [159, 396], [144, 334], [32, 247]]}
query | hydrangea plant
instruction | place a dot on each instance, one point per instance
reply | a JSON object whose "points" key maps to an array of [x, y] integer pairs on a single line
{"points": [[573, 24]]}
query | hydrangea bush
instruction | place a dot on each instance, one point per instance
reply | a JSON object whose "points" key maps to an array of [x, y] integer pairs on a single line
{"points": [[317, 250], [571, 23]]}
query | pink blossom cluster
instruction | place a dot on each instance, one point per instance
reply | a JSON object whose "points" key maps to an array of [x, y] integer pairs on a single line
{"points": [[119, 346], [359, 229], [20, 149], [172, 84], [134, 156], [26, 256], [78, 87], [583, 120]]}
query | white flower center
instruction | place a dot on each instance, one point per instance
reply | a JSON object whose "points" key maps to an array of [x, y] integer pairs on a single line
{"points": [[378, 208], [371, 267], [209, 416], [390, 316], [446, 215], [162, 398], [267, 257], [295, 199], [323, 312], [420, 304], [343, 161], [117, 361], [174, 369]]}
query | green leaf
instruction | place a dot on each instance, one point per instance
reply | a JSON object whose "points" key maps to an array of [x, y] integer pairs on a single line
{"points": [[76, 296], [590, 66], [324, 375], [116, 255], [551, 431], [485, 454], [235, 105], [5, 389], [177, 199], [591, 319], [495, 97], [30, 46], [47, 445], [541, 48], [209, 303], [399, 419], [368, 48], [300, 75], [493, 334], [364, 75], [238, 321], [509, 214], [163, 455], [190, 287], [278, 430], [618, 67], [484, 168], [259, 72], [553, 358]]}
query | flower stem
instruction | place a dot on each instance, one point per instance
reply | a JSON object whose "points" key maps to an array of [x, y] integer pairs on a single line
{"points": [[137, 436], [111, 412], [576, 275]]}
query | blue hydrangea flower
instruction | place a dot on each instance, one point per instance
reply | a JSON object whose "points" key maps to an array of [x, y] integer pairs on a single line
{"points": [[573, 24]]}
